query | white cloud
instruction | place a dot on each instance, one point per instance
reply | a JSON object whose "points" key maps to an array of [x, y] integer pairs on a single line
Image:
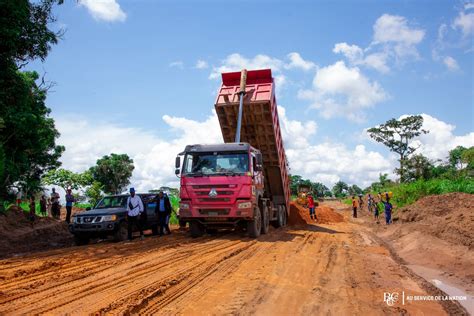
{"points": [[394, 29], [177, 64], [393, 41], [296, 61], [106, 10], [451, 63], [355, 55], [153, 156], [201, 64], [465, 22], [341, 91], [440, 139], [296, 134]]}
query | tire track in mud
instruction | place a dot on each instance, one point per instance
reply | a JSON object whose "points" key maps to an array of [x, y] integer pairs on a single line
{"points": [[69, 272], [104, 281]]}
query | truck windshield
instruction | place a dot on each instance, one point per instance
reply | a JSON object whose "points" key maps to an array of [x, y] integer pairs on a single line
{"points": [[112, 202], [215, 163]]}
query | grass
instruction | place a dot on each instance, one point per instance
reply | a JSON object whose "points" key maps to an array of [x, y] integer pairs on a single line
{"points": [[408, 193]]}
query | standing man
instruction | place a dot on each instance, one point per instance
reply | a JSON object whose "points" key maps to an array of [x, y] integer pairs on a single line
{"points": [[311, 207], [69, 201], [134, 210], [355, 205], [55, 207], [163, 210], [43, 206]]}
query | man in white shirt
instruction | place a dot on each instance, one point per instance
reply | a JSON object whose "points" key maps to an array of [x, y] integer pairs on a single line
{"points": [[134, 210]]}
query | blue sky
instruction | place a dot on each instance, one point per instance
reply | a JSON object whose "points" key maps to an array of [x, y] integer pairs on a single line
{"points": [[126, 72]]}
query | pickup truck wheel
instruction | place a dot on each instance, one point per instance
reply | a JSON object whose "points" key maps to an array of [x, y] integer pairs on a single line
{"points": [[265, 220], [80, 239], [254, 227], [122, 232], [196, 229]]}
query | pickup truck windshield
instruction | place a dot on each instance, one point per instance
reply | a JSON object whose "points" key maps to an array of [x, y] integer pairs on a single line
{"points": [[198, 164], [112, 202]]}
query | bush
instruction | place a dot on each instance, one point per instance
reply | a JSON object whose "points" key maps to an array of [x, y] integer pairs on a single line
{"points": [[408, 193]]}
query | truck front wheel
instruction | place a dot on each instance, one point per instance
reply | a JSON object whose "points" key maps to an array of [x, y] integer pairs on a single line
{"points": [[254, 227], [196, 229]]}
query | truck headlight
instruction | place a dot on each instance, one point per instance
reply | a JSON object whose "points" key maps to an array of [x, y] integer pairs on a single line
{"points": [[245, 205], [184, 206], [109, 218]]}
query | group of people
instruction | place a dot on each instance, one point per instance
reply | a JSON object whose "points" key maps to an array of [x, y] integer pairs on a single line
{"points": [[136, 214], [375, 205], [49, 206]]}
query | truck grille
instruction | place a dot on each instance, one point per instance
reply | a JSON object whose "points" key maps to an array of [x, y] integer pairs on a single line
{"points": [[214, 212]]}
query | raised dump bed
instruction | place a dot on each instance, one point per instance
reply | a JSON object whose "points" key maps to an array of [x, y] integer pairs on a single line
{"points": [[260, 126]]}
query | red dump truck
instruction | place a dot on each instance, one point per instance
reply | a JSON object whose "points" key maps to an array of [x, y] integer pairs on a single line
{"points": [[243, 182]]}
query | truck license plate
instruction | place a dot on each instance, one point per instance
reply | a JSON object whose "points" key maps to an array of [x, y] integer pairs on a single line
{"points": [[213, 213]]}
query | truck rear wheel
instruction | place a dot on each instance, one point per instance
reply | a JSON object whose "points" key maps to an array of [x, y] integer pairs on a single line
{"points": [[280, 217], [265, 220], [196, 229], [254, 227], [285, 216]]}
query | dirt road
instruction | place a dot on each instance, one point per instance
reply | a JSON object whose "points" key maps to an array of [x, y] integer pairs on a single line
{"points": [[313, 269]]}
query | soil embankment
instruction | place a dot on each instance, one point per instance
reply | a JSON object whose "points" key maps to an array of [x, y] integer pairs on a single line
{"points": [[434, 237], [18, 235]]}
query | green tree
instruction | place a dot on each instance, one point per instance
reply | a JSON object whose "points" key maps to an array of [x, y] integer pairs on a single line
{"points": [[417, 167], [113, 172], [455, 157], [295, 181], [27, 138], [354, 190], [467, 157], [396, 135], [340, 189], [66, 178], [94, 192]]}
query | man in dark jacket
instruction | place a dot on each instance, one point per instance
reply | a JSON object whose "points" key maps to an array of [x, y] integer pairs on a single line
{"points": [[163, 210]]}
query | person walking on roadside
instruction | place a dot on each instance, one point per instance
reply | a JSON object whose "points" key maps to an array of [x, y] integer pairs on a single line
{"points": [[355, 205], [32, 214], [43, 206], [55, 207], [134, 210], [312, 213], [163, 210], [19, 196], [69, 202], [388, 213], [370, 202]]}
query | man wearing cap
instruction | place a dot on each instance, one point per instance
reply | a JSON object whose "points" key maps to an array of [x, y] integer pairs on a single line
{"points": [[134, 209]]}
